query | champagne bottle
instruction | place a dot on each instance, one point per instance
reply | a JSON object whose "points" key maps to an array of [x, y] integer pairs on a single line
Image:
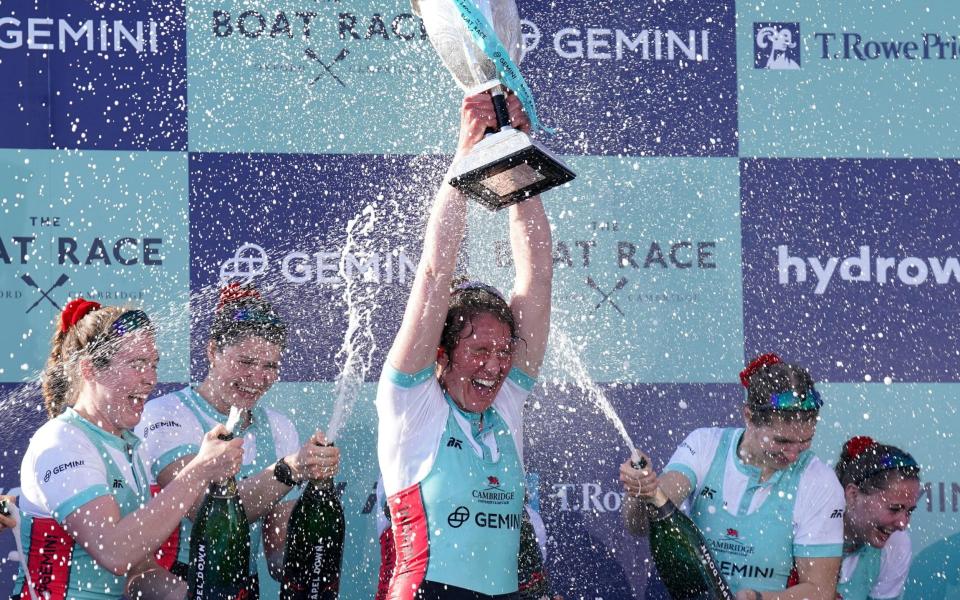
{"points": [[534, 584], [219, 545], [681, 554], [314, 548]]}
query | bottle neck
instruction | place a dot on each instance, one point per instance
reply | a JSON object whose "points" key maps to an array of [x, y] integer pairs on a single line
{"points": [[319, 486], [224, 488], [663, 507]]}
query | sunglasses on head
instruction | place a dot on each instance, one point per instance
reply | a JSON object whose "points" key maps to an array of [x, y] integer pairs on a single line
{"points": [[791, 400], [896, 459], [129, 321], [255, 315]]}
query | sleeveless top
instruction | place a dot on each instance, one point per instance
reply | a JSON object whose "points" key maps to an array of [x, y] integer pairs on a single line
{"points": [[458, 521]]}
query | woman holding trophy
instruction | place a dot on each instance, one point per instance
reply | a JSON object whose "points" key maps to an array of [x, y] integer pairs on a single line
{"points": [[451, 395], [450, 398]]}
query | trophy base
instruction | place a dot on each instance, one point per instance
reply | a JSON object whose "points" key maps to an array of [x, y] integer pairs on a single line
{"points": [[508, 167]]}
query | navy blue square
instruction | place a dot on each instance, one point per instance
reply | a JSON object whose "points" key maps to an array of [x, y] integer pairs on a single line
{"points": [[91, 76], [646, 79], [852, 267], [280, 222]]}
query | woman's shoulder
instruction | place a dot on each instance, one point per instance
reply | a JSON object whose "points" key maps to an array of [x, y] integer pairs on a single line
{"points": [[165, 408], [58, 433], [279, 422]]}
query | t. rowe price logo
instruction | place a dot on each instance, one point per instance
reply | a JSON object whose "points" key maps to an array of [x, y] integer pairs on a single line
{"points": [[64, 35], [586, 497], [776, 46], [324, 267], [865, 267]]}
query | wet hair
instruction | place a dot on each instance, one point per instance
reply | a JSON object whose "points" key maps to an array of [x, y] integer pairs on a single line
{"points": [[242, 313], [872, 466], [469, 299], [765, 377], [96, 335]]}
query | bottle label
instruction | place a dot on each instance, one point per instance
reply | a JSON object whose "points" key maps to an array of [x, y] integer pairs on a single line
{"points": [[317, 570], [200, 573], [724, 591]]}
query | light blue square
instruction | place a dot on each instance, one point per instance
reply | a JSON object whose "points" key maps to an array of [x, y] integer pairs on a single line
{"points": [[624, 309], [84, 214], [837, 105]]}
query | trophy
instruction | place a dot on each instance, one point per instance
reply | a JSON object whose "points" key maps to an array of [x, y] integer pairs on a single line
{"points": [[506, 167]]}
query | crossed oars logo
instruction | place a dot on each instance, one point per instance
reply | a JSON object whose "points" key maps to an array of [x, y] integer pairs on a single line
{"points": [[44, 294], [313, 55], [606, 296]]}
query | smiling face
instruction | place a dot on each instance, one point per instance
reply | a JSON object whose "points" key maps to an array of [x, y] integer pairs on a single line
{"points": [[241, 373], [122, 386], [871, 518], [474, 372], [777, 444]]}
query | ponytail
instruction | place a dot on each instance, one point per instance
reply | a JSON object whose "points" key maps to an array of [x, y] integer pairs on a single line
{"points": [[55, 382], [82, 327]]}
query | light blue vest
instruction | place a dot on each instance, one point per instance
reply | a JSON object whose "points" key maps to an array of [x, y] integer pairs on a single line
{"points": [[754, 551], [864, 576], [474, 506]]}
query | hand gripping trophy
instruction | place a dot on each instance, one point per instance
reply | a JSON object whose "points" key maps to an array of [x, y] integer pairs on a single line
{"points": [[479, 42]]}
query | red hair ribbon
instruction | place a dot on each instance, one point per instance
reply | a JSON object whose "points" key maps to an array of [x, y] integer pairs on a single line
{"points": [[234, 292], [764, 360], [856, 446], [75, 310]]}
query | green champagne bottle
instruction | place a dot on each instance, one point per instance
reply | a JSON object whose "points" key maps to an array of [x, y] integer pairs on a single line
{"points": [[219, 545], [534, 584], [682, 556], [314, 548]]}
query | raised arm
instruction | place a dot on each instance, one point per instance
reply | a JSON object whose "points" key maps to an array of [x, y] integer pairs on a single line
{"points": [[531, 242], [415, 346], [532, 245]]}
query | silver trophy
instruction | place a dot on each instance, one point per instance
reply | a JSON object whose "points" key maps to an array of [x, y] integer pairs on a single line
{"points": [[507, 166]]}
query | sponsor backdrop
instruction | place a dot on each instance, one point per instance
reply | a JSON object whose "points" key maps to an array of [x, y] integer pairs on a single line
{"points": [[759, 176]]}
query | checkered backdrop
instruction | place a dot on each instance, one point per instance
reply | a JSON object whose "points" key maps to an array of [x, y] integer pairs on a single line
{"points": [[759, 176]]}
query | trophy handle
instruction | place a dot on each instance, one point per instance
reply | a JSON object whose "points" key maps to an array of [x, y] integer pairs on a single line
{"points": [[500, 108]]}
